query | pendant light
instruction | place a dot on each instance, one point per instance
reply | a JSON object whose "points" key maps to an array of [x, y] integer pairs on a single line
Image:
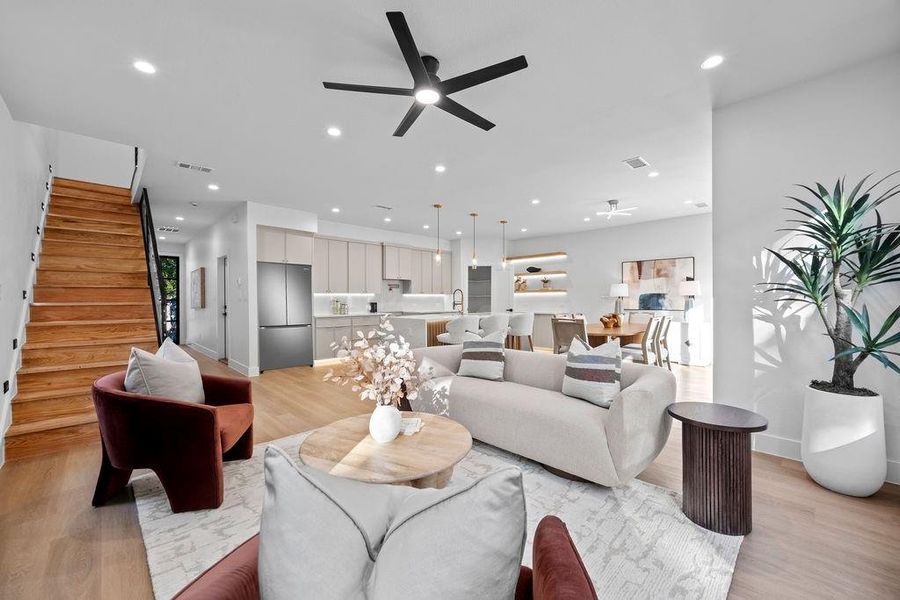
{"points": [[437, 233], [474, 216], [503, 223]]}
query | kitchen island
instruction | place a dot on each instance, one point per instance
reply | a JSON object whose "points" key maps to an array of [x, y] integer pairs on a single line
{"points": [[422, 330]]}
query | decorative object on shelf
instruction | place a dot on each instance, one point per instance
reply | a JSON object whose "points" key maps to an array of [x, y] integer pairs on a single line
{"points": [[380, 367], [836, 253], [618, 291], [545, 283], [520, 284], [612, 320], [437, 232], [503, 223], [474, 216], [198, 288], [690, 289], [653, 284], [533, 269]]}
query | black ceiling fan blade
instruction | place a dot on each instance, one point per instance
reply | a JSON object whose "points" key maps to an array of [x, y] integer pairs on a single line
{"points": [[408, 48], [461, 82], [411, 115], [458, 110], [371, 89]]}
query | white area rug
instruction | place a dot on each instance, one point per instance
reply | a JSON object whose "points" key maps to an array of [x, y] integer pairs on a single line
{"points": [[634, 541]]}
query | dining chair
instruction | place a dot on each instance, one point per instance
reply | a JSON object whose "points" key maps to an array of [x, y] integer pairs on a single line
{"points": [[494, 323], [461, 329], [522, 325], [662, 344], [639, 317], [645, 352], [565, 330]]}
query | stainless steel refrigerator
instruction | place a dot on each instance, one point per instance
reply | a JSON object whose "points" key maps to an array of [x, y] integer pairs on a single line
{"points": [[284, 301]]}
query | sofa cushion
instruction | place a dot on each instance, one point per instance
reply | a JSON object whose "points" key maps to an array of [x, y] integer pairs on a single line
{"points": [[170, 373], [484, 358], [326, 537], [593, 374], [535, 369], [234, 421]]}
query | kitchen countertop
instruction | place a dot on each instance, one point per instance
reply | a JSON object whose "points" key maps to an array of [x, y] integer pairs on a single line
{"points": [[356, 314]]}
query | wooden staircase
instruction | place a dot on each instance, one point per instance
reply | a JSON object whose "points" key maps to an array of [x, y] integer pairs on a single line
{"points": [[91, 305]]}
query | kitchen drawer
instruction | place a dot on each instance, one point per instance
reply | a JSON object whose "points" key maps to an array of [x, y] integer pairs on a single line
{"points": [[333, 322], [372, 321]]}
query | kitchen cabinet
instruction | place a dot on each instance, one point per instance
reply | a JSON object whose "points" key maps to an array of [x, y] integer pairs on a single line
{"points": [[298, 248], [269, 244], [404, 260], [284, 246], [373, 269], [320, 265], [333, 329], [415, 272], [426, 286], [337, 267], [356, 267], [447, 273], [391, 262], [437, 274]]}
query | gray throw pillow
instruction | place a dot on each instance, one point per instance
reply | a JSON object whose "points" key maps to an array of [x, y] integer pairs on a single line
{"points": [[484, 358], [326, 537], [593, 374], [170, 373]]}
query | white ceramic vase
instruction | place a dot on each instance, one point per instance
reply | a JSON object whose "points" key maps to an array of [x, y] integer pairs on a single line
{"points": [[384, 424], [843, 446]]}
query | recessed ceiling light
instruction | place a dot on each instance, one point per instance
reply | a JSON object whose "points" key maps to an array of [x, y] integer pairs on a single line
{"points": [[524, 229], [335, 210], [459, 233], [440, 168], [387, 219], [144, 67], [688, 201], [653, 174], [333, 132], [587, 219], [179, 218], [536, 201], [213, 187], [162, 237], [426, 226], [427, 96], [712, 62]]}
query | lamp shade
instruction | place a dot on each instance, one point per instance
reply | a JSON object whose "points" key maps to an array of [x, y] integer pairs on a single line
{"points": [[689, 288], [618, 290]]}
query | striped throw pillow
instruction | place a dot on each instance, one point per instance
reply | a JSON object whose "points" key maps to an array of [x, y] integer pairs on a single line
{"points": [[593, 374], [483, 358]]}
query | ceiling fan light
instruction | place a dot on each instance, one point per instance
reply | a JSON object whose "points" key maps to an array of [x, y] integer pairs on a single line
{"points": [[427, 96]]}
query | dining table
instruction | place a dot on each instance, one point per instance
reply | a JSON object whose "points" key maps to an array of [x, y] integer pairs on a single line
{"points": [[627, 333]]}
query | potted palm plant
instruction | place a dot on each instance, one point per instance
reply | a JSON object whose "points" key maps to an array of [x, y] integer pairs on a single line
{"points": [[840, 248]]}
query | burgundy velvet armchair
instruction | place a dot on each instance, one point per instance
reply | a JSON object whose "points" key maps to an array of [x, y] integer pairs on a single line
{"points": [[182, 442], [558, 572]]}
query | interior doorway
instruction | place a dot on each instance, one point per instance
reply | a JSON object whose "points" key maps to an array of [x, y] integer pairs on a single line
{"points": [[222, 308]]}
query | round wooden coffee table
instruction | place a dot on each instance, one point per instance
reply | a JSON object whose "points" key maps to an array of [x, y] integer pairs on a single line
{"points": [[422, 460], [716, 475]]}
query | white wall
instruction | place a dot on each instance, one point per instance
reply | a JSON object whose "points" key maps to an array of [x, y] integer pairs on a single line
{"points": [[26, 151], [595, 261], [847, 123], [97, 161], [227, 237]]}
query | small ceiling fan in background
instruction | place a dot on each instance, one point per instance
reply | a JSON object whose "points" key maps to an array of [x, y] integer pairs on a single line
{"points": [[615, 211], [427, 86]]}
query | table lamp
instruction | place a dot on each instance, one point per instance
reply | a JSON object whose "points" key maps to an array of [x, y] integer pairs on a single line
{"points": [[618, 291]]}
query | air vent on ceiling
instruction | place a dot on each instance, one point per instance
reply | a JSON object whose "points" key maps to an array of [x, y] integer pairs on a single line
{"points": [[383, 207], [636, 162], [168, 228], [701, 204], [193, 167]]}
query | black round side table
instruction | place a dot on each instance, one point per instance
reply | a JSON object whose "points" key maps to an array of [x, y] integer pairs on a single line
{"points": [[716, 476]]}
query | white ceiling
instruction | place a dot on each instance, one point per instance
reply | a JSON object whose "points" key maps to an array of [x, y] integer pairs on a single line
{"points": [[239, 88]]}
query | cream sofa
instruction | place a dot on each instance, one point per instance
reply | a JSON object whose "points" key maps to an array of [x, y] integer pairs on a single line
{"points": [[528, 414]]}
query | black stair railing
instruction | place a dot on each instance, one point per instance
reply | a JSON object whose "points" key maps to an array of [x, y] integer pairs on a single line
{"points": [[154, 266]]}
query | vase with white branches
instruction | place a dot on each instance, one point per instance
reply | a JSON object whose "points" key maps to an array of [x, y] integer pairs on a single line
{"points": [[380, 367], [839, 249]]}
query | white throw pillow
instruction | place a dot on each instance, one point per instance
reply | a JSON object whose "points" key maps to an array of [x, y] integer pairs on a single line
{"points": [[593, 374], [326, 537], [170, 373], [484, 358]]}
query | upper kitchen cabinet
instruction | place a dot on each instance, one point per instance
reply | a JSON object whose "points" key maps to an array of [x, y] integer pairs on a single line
{"points": [[320, 265], [427, 266], [437, 273], [283, 246], [391, 262], [338, 271], [373, 269], [446, 273], [404, 260], [298, 248], [364, 268]]}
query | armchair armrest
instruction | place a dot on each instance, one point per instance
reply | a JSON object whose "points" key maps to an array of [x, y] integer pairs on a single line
{"points": [[220, 391], [235, 577], [638, 425]]}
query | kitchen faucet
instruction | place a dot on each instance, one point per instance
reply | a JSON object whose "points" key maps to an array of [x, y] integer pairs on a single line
{"points": [[458, 304]]}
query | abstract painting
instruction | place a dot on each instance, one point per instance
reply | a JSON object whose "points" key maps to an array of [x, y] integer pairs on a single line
{"points": [[653, 284]]}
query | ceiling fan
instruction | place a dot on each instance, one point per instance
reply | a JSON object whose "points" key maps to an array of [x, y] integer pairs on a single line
{"points": [[427, 87], [615, 211]]}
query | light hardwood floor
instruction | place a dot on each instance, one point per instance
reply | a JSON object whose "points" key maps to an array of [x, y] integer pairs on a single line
{"points": [[806, 542]]}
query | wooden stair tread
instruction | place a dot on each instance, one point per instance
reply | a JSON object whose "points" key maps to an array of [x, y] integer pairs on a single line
{"points": [[35, 395], [104, 242], [102, 342], [89, 304], [91, 322], [95, 217], [72, 367], [67, 227], [17, 429], [90, 186]]}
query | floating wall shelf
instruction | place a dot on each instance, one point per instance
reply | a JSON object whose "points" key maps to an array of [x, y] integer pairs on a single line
{"points": [[542, 291], [542, 274], [538, 257]]}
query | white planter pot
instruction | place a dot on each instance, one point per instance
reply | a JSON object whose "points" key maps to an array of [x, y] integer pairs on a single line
{"points": [[384, 425], [843, 442]]}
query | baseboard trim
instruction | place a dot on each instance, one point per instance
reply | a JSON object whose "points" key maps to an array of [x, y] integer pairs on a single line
{"points": [[242, 368], [788, 448], [208, 352]]}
